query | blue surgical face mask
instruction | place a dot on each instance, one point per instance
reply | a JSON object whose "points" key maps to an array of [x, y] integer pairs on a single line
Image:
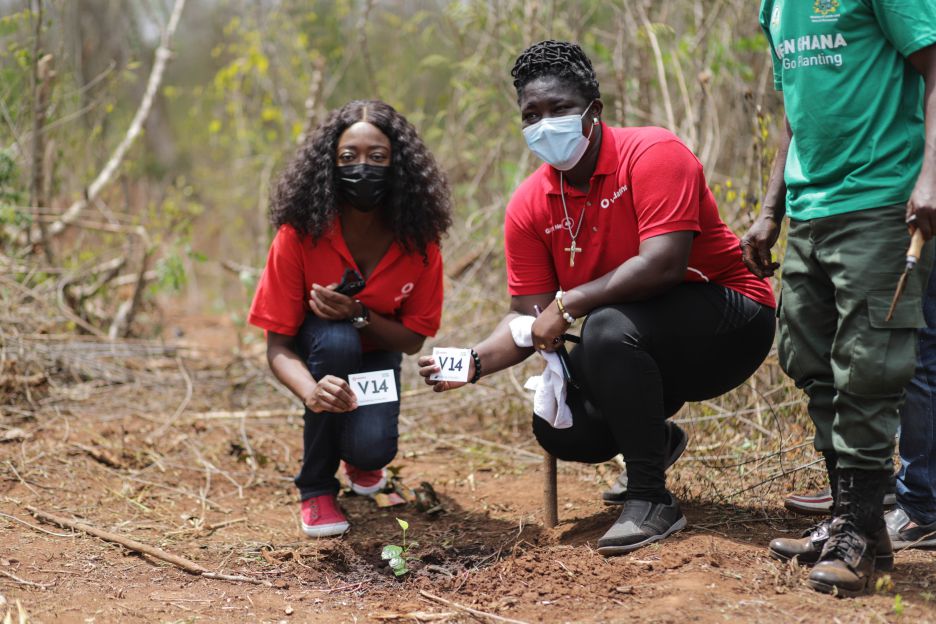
{"points": [[559, 140]]}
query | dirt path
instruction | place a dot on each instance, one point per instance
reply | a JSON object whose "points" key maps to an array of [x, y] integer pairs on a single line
{"points": [[217, 490]]}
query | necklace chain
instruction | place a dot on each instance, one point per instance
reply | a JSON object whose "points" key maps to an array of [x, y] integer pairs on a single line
{"points": [[565, 211], [567, 223]]}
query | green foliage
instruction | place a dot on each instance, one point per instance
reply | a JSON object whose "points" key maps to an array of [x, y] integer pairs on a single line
{"points": [[396, 556], [898, 605]]}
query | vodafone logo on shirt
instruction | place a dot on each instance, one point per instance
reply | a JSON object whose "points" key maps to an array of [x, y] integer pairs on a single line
{"points": [[404, 292], [607, 202]]}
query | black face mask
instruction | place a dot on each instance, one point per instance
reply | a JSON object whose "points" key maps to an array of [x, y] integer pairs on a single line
{"points": [[365, 187]]}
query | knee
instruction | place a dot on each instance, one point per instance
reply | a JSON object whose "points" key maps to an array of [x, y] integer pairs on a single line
{"points": [[608, 326], [371, 453], [329, 347], [566, 445], [370, 442]]}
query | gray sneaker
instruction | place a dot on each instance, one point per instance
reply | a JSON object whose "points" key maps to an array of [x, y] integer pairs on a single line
{"points": [[905, 533], [640, 523], [676, 441]]}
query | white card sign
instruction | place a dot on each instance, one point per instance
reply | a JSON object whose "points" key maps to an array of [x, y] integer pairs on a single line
{"points": [[453, 362], [373, 387]]}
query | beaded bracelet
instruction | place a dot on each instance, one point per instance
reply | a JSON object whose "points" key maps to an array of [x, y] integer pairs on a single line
{"points": [[565, 315], [477, 365]]}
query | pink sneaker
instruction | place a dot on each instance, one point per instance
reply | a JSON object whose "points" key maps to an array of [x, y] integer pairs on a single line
{"points": [[365, 482], [322, 517]]}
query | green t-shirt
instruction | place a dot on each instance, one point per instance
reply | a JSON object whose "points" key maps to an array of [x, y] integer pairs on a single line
{"points": [[854, 102]]}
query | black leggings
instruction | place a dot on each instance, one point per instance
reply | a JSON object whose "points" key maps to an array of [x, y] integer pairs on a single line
{"points": [[639, 362]]}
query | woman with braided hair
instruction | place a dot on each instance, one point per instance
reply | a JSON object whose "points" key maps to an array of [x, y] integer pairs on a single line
{"points": [[619, 229], [352, 280]]}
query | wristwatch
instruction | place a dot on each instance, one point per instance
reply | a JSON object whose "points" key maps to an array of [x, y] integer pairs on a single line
{"points": [[361, 320]]}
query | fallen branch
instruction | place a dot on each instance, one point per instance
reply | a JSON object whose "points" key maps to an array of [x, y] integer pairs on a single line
{"points": [[25, 582], [474, 612], [136, 126], [157, 553]]}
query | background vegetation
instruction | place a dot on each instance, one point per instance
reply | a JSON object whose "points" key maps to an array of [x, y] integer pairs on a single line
{"points": [[181, 226]]}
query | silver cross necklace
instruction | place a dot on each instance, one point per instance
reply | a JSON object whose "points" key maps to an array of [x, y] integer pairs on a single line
{"points": [[567, 224]]}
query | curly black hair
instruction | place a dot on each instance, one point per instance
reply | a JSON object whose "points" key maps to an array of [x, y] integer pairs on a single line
{"points": [[420, 202], [561, 59]]}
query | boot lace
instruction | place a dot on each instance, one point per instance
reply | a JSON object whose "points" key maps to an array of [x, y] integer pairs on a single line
{"points": [[845, 544], [820, 527]]}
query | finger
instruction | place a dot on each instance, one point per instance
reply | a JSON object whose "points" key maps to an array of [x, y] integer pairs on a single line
{"points": [[325, 402], [316, 309], [342, 391], [747, 257], [428, 371], [926, 226], [328, 310], [764, 261], [345, 392], [330, 296]]}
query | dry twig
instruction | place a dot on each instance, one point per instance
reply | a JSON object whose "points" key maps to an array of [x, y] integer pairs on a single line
{"points": [[157, 553], [474, 612]]}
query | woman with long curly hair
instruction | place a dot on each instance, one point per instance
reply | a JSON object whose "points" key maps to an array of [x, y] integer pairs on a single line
{"points": [[353, 280]]}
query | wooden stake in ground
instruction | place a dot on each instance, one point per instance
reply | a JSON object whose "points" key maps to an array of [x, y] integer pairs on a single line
{"points": [[550, 504]]}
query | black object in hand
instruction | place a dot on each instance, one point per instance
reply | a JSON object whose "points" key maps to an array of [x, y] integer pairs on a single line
{"points": [[351, 283]]}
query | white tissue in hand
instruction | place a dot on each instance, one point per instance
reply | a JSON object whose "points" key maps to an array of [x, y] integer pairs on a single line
{"points": [[549, 401]]}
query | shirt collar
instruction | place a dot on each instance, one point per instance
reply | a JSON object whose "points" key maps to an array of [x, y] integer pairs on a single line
{"points": [[335, 237], [607, 162]]}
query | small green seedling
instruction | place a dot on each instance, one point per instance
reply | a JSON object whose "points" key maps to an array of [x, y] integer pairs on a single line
{"points": [[898, 605], [396, 555]]}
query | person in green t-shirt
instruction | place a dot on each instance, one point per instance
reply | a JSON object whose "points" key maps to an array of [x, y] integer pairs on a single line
{"points": [[856, 170]]}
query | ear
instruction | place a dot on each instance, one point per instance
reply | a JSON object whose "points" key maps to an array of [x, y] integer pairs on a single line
{"points": [[596, 108]]}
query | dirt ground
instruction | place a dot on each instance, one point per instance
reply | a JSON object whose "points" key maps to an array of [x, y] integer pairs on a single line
{"points": [[183, 457]]}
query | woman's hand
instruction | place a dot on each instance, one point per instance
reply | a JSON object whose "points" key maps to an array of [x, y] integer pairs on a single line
{"points": [[331, 394], [548, 329], [428, 366], [330, 305]]}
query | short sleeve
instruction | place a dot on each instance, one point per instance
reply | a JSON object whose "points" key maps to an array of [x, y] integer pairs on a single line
{"points": [[279, 303], [765, 19], [530, 269], [666, 180], [421, 312], [910, 25]]}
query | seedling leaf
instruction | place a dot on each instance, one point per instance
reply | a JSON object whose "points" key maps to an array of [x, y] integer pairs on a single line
{"points": [[391, 551], [403, 524]]}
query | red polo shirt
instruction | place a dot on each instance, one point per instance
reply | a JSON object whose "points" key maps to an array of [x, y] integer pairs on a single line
{"points": [[402, 286], [646, 183]]}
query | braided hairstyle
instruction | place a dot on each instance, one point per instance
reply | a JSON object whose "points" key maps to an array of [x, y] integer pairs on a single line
{"points": [[563, 60], [419, 205]]}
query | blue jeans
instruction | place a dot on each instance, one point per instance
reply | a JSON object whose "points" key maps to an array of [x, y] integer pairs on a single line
{"points": [[365, 438], [916, 481]]}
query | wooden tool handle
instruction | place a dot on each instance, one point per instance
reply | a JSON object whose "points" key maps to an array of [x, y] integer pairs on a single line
{"points": [[916, 245]]}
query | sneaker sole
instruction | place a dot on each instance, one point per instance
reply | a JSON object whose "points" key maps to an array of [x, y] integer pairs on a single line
{"points": [[370, 489], [820, 507], [674, 456], [808, 507], [325, 530], [607, 551], [924, 544]]}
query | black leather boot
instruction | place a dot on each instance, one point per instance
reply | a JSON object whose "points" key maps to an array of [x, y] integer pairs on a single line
{"points": [[857, 536], [808, 547]]}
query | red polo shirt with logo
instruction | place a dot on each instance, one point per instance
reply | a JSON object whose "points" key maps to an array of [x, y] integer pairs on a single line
{"points": [[646, 183], [403, 286]]}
